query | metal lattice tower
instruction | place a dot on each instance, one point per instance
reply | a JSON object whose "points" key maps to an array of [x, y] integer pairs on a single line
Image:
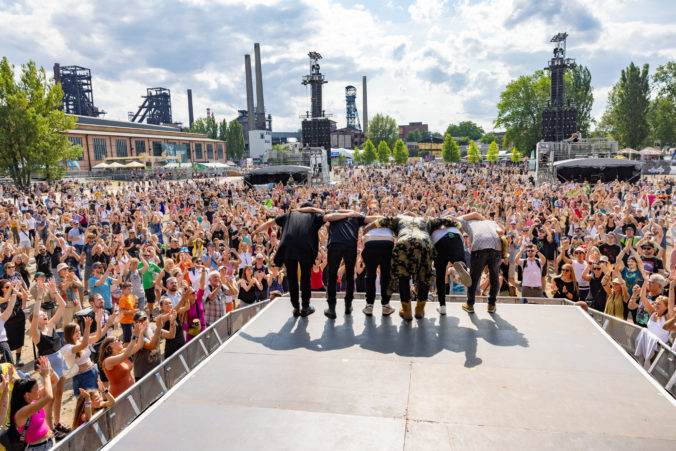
{"points": [[156, 108], [351, 108], [78, 96], [315, 80]]}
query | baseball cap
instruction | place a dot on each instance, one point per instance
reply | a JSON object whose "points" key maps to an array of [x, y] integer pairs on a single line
{"points": [[139, 316], [39, 273], [62, 266], [580, 249]]}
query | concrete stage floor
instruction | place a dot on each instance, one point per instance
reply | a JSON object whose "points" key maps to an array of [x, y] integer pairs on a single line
{"points": [[527, 377]]}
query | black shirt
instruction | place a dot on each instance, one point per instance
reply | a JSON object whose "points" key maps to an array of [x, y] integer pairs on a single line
{"points": [[345, 231], [652, 264], [610, 250], [300, 240]]}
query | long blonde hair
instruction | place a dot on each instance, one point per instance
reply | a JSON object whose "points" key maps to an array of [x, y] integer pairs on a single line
{"points": [[571, 271]]}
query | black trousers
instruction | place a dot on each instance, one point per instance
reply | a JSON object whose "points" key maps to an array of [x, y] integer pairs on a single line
{"points": [[377, 253], [335, 253], [479, 260], [422, 290], [292, 275], [449, 250]]}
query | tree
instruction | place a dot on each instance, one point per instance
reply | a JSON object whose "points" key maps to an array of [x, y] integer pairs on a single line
{"points": [[357, 156], [235, 141], [384, 152], [450, 151], [400, 152], [465, 128], [665, 80], [473, 155], [462, 141], [663, 121], [493, 152], [487, 138], [631, 111], [524, 99], [369, 152], [341, 159], [223, 130], [30, 125], [413, 136], [383, 128], [515, 156], [206, 126]]}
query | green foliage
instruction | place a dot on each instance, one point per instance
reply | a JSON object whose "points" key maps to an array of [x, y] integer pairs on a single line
{"points": [[665, 80], [341, 159], [384, 152], [487, 138], [400, 152], [523, 101], [383, 128], [223, 130], [450, 151], [663, 121], [30, 124], [370, 155], [413, 136], [462, 141], [357, 156], [493, 152], [515, 156], [465, 128], [207, 126], [235, 141], [473, 155], [630, 113]]}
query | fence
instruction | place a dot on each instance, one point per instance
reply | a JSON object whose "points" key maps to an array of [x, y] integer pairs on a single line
{"points": [[106, 424]]}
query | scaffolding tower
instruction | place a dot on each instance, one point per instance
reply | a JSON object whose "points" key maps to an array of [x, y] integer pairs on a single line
{"points": [[156, 107], [78, 96], [351, 105]]}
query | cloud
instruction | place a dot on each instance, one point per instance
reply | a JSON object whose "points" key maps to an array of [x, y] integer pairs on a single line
{"points": [[570, 12]]}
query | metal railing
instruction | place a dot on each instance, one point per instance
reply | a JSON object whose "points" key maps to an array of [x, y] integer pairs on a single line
{"points": [[107, 424]]}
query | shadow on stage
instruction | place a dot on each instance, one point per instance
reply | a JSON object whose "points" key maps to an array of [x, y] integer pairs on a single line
{"points": [[390, 335]]}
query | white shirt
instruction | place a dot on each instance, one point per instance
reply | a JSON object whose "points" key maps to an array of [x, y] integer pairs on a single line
{"points": [[532, 274], [579, 269], [442, 232]]}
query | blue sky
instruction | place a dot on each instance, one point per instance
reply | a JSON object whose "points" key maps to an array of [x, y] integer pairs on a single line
{"points": [[430, 60]]}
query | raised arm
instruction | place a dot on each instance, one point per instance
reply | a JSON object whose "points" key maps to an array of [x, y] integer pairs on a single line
{"points": [[62, 304], [266, 225]]}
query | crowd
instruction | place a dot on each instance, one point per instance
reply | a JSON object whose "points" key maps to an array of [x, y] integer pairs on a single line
{"points": [[100, 282]]}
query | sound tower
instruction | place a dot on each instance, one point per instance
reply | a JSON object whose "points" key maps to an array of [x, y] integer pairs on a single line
{"points": [[317, 133], [558, 121]]}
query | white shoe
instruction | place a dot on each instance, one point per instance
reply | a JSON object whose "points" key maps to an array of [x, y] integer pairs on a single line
{"points": [[368, 310], [464, 276], [441, 309], [388, 310]]}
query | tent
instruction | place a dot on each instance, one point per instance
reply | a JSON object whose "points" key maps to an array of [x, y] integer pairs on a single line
{"points": [[594, 169], [335, 153], [115, 165], [134, 165], [650, 152], [277, 174], [101, 166]]}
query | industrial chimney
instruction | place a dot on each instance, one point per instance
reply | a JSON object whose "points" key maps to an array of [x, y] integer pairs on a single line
{"points": [[364, 107], [249, 93], [260, 107], [191, 117]]}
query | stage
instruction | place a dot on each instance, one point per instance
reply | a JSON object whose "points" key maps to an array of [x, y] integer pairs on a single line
{"points": [[527, 377]]}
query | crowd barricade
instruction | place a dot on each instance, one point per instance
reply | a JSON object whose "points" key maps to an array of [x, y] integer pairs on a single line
{"points": [[107, 424]]}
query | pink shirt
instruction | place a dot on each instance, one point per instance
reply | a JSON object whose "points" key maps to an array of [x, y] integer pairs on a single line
{"points": [[37, 429]]}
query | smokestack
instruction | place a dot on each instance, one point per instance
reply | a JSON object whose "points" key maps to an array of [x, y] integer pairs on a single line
{"points": [[365, 104], [191, 117], [249, 93], [260, 107], [208, 113], [57, 73]]}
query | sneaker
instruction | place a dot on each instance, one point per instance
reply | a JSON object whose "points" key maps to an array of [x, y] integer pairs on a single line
{"points": [[464, 276], [330, 312], [296, 312], [307, 311], [468, 308], [491, 308], [368, 310], [388, 310], [441, 309]]}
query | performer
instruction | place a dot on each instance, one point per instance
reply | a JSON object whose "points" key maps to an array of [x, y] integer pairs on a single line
{"points": [[378, 245], [298, 246], [449, 249], [412, 257], [342, 245], [487, 250]]}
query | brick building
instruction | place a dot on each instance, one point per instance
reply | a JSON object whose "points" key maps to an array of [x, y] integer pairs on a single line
{"points": [[104, 140], [404, 130]]}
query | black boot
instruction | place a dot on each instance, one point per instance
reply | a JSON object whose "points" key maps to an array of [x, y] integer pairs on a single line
{"points": [[307, 311], [348, 307], [330, 312]]}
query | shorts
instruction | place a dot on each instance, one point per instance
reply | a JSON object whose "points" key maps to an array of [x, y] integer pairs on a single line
{"points": [[150, 295], [25, 244], [87, 380], [126, 332], [57, 363]]}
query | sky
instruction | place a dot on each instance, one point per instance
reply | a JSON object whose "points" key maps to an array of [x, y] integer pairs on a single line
{"points": [[435, 61]]}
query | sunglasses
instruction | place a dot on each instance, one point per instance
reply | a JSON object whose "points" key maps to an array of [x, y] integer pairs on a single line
{"points": [[597, 269], [566, 270]]}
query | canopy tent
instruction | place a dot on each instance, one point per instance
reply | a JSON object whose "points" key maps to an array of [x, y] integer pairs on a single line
{"points": [[134, 165], [628, 151], [594, 169], [115, 165], [347, 153], [101, 166], [277, 174], [650, 152]]}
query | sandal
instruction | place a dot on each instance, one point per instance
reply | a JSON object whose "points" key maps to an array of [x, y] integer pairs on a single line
{"points": [[58, 435], [62, 428]]}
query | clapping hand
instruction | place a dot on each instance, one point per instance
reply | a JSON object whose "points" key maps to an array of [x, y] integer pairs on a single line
{"points": [[43, 367]]}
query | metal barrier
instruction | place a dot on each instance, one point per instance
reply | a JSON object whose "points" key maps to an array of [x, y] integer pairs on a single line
{"points": [[106, 424]]}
